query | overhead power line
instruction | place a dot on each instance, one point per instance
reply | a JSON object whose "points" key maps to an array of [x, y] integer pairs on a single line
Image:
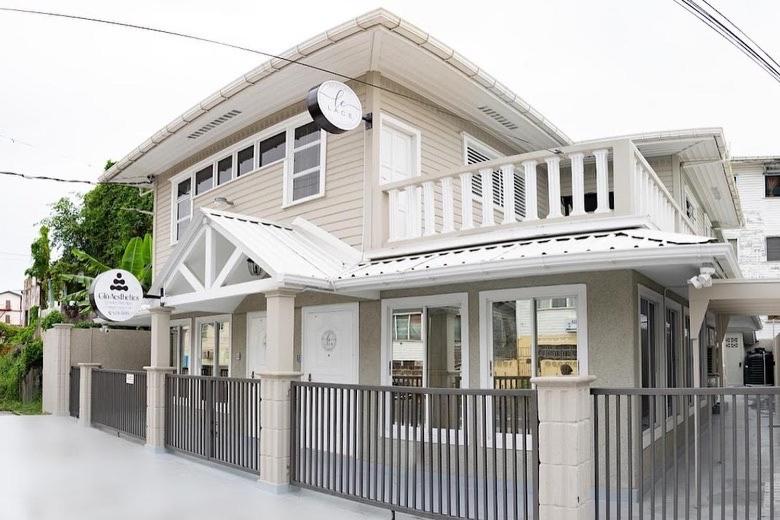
{"points": [[223, 43], [729, 31], [71, 181]]}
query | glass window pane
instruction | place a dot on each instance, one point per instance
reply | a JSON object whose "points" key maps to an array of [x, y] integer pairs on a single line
{"points": [[556, 338], [204, 179], [512, 342], [185, 358], [408, 355], [772, 185], [181, 227], [207, 348], [174, 345], [306, 159], [246, 160], [415, 327], [183, 209], [443, 357], [306, 134], [272, 149], [224, 349], [183, 188], [306, 185], [225, 170]]}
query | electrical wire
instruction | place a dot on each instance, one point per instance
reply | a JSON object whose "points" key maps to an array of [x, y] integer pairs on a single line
{"points": [[273, 56], [71, 181]]}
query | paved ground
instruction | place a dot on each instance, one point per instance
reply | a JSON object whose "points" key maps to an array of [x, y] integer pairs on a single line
{"points": [[51, 468]]}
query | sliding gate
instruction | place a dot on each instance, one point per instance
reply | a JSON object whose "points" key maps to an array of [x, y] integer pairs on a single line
{"points": [[446, 453], [214, 418]]}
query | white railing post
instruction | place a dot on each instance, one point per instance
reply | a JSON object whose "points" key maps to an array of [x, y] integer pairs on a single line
{"points": [[577, 183], [554, 186], [602, 181], [412, 212], [487, 197], [508, 180], [447, 206], [531, 203], [392, 213], [429, 208], [466, 199]]}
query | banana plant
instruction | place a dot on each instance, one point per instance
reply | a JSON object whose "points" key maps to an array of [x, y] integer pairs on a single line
{"points": [[137, 259]]}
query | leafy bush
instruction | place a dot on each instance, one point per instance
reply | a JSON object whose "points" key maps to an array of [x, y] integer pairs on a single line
{"points": [[52, 319], [34, 311], [15, 365]]}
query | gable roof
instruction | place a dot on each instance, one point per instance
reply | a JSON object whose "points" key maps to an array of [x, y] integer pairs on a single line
{"points": [[268, 83]]}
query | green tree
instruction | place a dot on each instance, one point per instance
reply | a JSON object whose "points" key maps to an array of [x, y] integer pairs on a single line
{"points": [[41, 255]]}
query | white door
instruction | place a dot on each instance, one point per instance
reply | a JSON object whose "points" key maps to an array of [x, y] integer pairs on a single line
{"points": [[329, 353], [255, 343]]}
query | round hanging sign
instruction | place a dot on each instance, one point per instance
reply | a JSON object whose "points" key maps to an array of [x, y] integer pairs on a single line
{"points": [[334, 107], [116, 295]]}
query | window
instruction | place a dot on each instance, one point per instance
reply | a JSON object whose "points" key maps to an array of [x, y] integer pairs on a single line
{"points": [[7, 318], [246, 160], [651, 370], [476, 152], [215, 347], [181, 349], [225, 170], [773, 249], [8, 305], [734, 243], [399, 151], [672, 323], [183, 207], [772, 185], [272, 149], [407, 326], [305, 179], [204, 179]]}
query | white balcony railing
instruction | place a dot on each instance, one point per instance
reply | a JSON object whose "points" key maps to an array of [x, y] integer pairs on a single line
{"points": [[567, 187]]}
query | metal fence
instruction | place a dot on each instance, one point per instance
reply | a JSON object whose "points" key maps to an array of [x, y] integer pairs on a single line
{"points": [[451, 453], [214, 418], [73, 391], [119, 401], [685, 452]]}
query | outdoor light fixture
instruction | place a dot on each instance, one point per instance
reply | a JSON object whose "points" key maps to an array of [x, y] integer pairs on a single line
{"points": [[703, 279], [254, 269], [222, 201]]}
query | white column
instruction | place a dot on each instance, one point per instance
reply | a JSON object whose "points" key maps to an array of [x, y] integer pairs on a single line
{"points": [[508, 179], [602, 181], [565, 447], [56, 370], [159, 365], [85, 393], [394, 229], [487, 197], [531, 211], [466, 199], [275, 390], [577, 183], [554, 186], [447, 206]]}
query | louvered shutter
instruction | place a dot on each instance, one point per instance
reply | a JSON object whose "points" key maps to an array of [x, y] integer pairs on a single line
{"points": [[476, 155]]}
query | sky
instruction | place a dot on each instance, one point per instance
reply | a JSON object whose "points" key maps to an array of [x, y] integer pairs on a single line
{"points": [[73, 94]]}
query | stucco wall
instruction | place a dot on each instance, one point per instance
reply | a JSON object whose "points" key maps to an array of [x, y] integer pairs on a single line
{"points": [[113, 348]]}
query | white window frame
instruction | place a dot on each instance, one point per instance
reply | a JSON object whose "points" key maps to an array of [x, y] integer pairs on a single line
{"points": [[179, 323], [288, 126], [197, 352], [289, 163], [386, 119], [486, 300], [175, 218]]}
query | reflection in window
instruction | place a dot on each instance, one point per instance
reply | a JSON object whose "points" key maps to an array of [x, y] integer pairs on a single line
{"points": [[272, 149], [649, 353], [246, 160], [208, 347], [204, 179], [772, 185], [306, 162], [225, 170], [556, 337]]}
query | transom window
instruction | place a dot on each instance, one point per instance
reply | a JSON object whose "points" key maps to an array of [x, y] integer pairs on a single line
{"points": [[297, 144], [407, 326]]}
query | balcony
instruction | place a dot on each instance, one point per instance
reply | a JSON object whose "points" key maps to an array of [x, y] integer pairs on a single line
{"points": [[586, 187]]}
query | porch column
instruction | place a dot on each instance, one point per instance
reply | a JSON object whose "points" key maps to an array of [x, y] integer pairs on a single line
{"points": [[565, 447], [159, 365], [85, 393], [275, 390], [56, 369]]}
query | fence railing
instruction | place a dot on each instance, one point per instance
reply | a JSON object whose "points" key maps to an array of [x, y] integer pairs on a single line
{"points": [[452, 453], [685, 452], [511, 382], [214, 418], [119, 401], [73, 391]]}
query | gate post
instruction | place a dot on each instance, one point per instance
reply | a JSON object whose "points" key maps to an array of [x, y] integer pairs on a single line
{"points": [[160, 364], [56, 369], [85, 393], [565, 447]]}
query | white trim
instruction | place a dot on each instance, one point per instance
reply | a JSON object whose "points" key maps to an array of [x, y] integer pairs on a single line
{"points": [[476, 143], [398, 124], [486, 299], [289, 166], [249, 317], [386, 344], [353, 307]]}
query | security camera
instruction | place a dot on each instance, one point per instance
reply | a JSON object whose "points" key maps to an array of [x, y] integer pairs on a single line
{"points": [[695, 282]]}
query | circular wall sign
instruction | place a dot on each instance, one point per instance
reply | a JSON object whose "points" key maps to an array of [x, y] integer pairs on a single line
{"points": [[329, 340], [334, 107], [116, 295]]}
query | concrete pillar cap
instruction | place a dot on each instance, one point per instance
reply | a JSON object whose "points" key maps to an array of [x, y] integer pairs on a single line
{"points": [[161, 310], [89, 365], [63, 325], [562, 381]]}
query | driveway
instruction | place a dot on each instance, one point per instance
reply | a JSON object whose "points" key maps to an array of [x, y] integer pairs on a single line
{"points": [[51, 468]]}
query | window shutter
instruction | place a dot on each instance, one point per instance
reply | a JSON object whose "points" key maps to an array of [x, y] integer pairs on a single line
{"points": [[773, 249], [474, 156]]}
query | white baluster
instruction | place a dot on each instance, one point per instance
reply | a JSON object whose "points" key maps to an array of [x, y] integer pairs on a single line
{"points": [[554, 186], [487, 197], [429, 208], [531, 211], [466, 200], [602, 181], [640, 187], [508, 180], [577, 183], [447, 206], [412, 215], [392, 211]]}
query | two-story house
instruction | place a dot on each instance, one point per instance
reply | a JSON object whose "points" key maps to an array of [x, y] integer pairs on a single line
{"points": [[11, 308], [455, 237]]}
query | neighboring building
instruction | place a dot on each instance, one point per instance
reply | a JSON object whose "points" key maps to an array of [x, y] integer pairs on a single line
{"points": [[31, 297], [11, 308], [458, 205]]}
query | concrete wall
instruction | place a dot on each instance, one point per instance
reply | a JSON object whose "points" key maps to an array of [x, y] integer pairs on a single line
{"points": [[113, 348]]}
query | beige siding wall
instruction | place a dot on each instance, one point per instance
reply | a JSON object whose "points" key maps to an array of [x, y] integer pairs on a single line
{"points": [[259, 194]]}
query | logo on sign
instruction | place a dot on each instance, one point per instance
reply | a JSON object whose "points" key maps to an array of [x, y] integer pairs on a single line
{"points": [[116, 295], [334, 107]]}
